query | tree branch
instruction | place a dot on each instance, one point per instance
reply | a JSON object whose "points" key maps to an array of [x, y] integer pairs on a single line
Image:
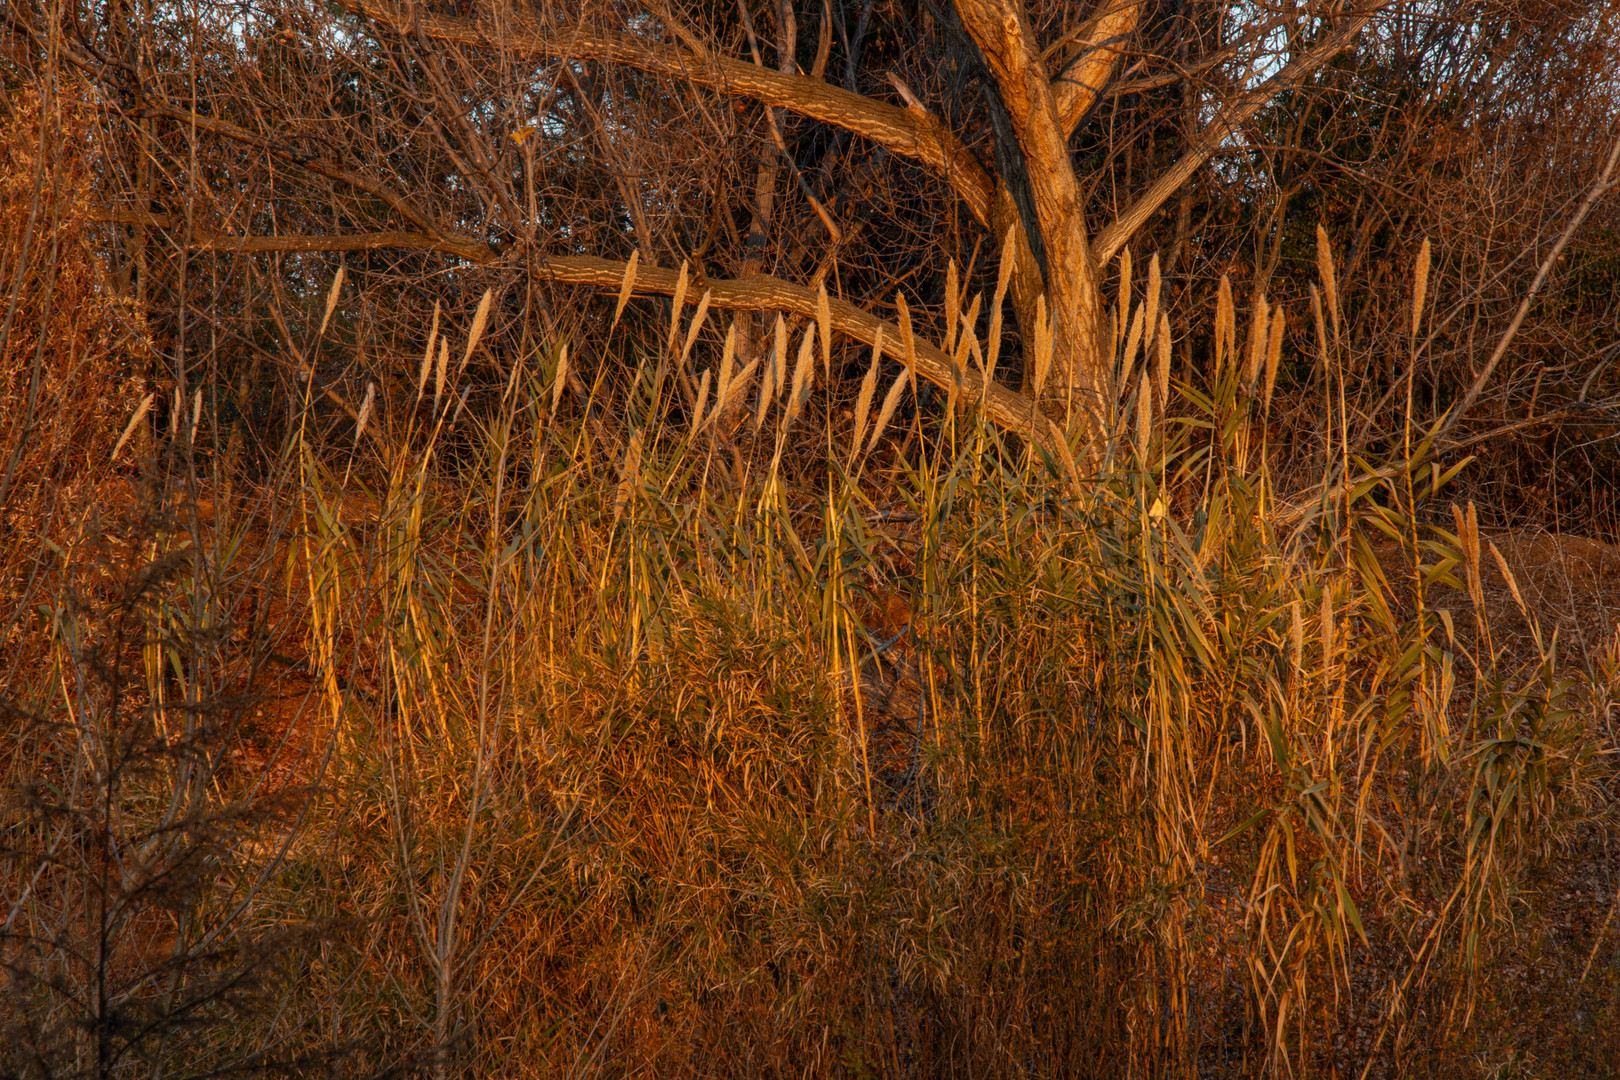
{"points": [[203, 240], [332, 171], [1008, 44], [1026, 97], [910, 133], [1604, 183], [1230, 118], [1083, 79], [1011, 410]]}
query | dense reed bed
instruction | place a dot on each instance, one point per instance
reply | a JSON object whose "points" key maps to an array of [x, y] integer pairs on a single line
{"points": [[611, 726], [673, 717]]}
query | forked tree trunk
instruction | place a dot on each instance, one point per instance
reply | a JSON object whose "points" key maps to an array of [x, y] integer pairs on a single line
{"points": [[1053, 294], [1071, 382]]}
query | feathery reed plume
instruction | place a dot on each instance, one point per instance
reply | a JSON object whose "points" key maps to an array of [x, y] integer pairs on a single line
{"points": [[1124, 301], [1132, 341], [1279, 323], [728, 362], [196, 417], [1162, 339], [891, 401], [1043, 345], [803, 376], [1420, 286], [561, 378], [906, 337], [365, 412], [1153, 286], [129, 429], [698, 316], [863, 403], [1144, 418], [1330, 283], [764, 403], [1507, 575], [625, 286], [824, 320], [967, 343], [427, 355], [734, 391], [702, 400], [441, 372], [176, 410], [1225, 324], [779, 359], [969, 319], [770, 386], [480, 320], [676, 305], [1325, 626], [332, 298], [769, 360], [1468, 540], [971, 344], [629, 475], [1004, 275], [1255, 347], [953, 307]]}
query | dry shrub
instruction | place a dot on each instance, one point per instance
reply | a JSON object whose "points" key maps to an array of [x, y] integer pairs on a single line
{"points": [[1131, 794], [71, 348], [122, 849]]}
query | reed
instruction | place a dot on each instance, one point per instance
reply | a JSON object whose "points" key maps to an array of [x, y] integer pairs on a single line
{"points": [[891, 758]]}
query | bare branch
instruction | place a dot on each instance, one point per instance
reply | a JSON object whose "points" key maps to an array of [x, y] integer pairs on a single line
{"points": [[332, 171], [1602, 186], [1008, 408], [203, 240], [1115, 236], [1011, 410], [912, 134]]}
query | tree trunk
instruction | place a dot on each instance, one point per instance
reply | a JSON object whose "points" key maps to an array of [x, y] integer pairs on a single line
{"points": [[1074, 387]]}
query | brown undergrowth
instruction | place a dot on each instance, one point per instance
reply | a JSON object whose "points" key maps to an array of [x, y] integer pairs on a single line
{"points": [[670, 773], [561, 735]]}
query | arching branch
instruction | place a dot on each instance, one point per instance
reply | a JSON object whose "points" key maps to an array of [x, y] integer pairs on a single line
{"points": [[911, 133], [1007, 408]]}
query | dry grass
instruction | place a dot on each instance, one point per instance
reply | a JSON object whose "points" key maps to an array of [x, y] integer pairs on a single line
{"points": [[639, 754], [1130, 793]]}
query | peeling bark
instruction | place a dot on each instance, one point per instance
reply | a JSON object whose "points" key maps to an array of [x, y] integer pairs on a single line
{"points": [[1079, 368]]}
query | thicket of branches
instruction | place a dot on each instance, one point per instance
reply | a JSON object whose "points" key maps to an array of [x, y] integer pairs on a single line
{"points": [[445, 633], [776, 149]]}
